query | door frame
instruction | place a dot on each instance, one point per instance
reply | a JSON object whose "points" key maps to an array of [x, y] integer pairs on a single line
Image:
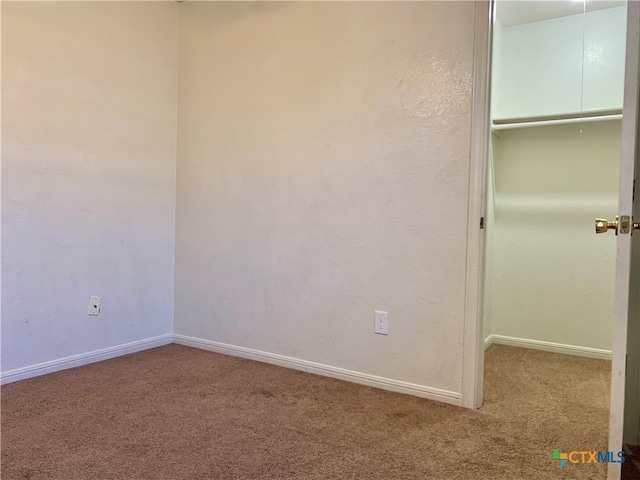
{"points": [[473, 341]]}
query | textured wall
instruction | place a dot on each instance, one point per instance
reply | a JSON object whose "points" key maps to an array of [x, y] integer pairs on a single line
{"points": [[552, 276], [88, 175], [323, 170]]}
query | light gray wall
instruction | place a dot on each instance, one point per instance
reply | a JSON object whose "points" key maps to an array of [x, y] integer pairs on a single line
{"points": [[323, 171], [88, 175], [552, 277]]}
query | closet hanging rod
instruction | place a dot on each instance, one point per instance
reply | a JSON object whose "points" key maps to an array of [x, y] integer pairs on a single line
{"points": [[564, 121], [591, 112]]}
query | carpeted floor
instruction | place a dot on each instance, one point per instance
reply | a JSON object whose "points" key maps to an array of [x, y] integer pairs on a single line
{"points": [[180, 413]]}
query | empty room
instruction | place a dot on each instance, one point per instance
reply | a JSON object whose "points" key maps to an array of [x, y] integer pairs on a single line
{"points": [[319, 240]]}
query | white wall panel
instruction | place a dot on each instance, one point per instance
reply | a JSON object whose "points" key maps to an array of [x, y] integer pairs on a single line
{"points": [[323, 172], [89, 93]]}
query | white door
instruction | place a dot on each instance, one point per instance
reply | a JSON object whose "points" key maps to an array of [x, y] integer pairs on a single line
{"points": [[623, 426]]}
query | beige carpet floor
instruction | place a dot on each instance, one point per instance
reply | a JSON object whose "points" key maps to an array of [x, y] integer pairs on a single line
{"points": [[179, 413]]}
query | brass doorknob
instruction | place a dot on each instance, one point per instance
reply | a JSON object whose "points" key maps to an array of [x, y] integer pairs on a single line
{"points": [[602, 225]]}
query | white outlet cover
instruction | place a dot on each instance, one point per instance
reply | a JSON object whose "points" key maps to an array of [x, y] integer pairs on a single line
{"points": [[94, 305], [381, 322]]}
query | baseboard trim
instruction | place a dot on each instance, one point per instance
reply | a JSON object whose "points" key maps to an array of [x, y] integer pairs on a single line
{"points": [[430, 393], [548, 346], [83, 359]]}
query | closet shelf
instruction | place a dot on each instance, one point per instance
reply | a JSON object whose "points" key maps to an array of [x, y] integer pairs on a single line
{"points": [[585, 117]]}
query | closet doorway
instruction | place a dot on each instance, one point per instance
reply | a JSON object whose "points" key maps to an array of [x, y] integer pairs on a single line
{"points": [[554, 163], [549, 307]]}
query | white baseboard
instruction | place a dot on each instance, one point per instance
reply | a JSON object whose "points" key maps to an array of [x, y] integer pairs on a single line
{"points": [[548, 346], [453, 398], [83, 359]]}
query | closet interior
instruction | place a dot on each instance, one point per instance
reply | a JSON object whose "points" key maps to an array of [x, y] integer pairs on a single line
{"points": [[557, 93]]}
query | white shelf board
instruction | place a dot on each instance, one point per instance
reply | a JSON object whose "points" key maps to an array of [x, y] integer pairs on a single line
{"points": [[555, 121]]}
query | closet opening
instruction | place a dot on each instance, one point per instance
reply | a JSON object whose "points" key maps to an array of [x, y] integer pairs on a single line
{"points": [[557, 82]]}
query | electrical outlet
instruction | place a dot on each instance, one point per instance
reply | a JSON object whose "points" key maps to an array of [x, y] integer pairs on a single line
{"points": [[94, 305], [381, 322]]}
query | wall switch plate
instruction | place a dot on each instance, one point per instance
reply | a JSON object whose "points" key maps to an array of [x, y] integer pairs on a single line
{"points": [[381, 323], [94, 305]]}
